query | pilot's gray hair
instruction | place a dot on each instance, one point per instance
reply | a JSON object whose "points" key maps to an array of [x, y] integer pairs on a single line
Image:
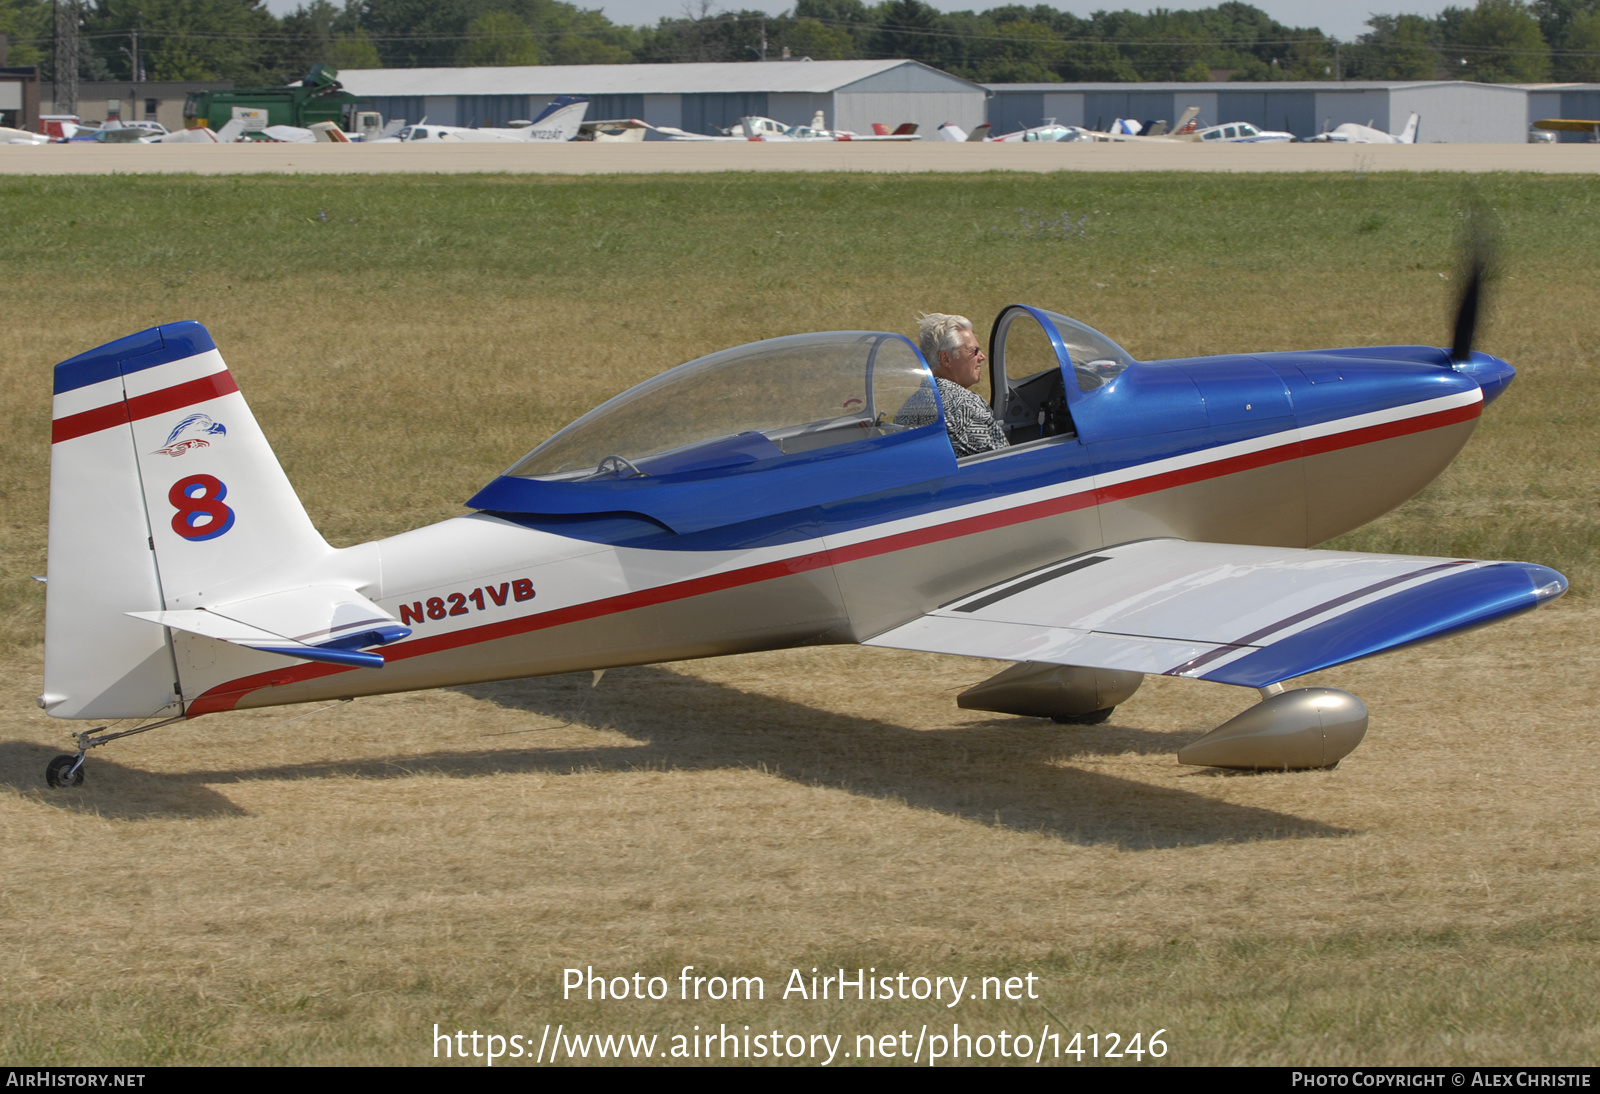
{"points": [[937, 331]]}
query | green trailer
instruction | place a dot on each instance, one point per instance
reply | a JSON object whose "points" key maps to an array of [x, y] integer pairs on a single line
{"points": [[320, 97]]}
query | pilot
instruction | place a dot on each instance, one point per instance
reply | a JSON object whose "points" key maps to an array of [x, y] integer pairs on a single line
{"points": [[952, 350]]}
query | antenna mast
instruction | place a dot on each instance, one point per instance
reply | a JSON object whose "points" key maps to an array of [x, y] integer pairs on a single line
{"points": [[66, 60]]}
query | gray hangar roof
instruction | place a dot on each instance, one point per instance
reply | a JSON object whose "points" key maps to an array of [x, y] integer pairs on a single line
{"points": [[812, 77], [1256, 86]]}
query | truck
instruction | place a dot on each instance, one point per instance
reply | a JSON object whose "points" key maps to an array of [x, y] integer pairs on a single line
{"points": [[319, 97]]}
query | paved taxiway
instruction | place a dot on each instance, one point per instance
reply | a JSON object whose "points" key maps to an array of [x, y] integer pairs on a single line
{"points": [[650, 158]]}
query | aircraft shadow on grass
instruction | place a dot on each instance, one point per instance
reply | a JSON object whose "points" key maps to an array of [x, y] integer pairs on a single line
{"points": [[1013, 773], [119, 792], [1006, 772]]}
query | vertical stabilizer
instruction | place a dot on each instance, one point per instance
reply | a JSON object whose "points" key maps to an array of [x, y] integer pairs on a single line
{"points": [[1408, 135], [164, 494], [559, 121]]}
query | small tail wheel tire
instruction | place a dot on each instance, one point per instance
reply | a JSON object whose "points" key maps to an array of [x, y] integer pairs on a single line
{"points": [[1090, 718], [55, 773]]}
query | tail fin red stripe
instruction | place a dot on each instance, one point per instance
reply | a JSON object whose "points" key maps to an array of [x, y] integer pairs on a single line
{"points": [[142, 406]]}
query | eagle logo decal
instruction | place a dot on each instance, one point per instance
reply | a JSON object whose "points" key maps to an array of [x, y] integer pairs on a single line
{"points": [[200, 426]]}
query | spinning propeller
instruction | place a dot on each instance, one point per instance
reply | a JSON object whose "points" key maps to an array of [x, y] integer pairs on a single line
{"points": [[1477, 256]]}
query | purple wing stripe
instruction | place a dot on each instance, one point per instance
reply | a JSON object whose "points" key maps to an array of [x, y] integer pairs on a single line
{"points": [[1254, 637]]}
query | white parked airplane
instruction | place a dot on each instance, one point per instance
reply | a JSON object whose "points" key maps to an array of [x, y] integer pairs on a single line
{"points": [[21, 136], [1351, 133], [1049, 132], [757, 128], [1054, 132], [557, 122], [1242, 133]]}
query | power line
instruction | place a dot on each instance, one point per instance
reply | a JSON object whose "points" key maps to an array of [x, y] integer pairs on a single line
{"points": [[1442, 50], [1445, 49]]}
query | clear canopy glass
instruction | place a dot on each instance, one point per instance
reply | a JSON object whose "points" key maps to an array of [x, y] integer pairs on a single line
{"points": [[760, 401], [1096, 359]]}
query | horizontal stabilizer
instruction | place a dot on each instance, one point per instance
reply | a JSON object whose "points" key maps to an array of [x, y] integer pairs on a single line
{"points": [[328, 624], [1252, 616]]}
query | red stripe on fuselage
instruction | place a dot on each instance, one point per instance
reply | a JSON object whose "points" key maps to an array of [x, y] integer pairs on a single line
{"points": [[225, 696], [1389, 430], [167, 399]]}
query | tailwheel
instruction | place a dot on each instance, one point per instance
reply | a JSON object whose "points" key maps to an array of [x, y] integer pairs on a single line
{"points": [[64, 771], [68, 770]]}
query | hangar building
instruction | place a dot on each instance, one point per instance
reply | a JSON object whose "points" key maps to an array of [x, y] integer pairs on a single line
{"points": [[701, 98], [1564, 101], [1451, 111], [155, 101]]}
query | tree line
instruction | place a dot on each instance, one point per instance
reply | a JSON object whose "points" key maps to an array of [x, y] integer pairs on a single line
{"points": [[240, 40]]}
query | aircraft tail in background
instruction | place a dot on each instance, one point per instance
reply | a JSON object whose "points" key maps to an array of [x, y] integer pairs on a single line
{"points": [[559, 121]]}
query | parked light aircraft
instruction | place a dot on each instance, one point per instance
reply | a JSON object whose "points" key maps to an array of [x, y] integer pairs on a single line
{"points": [[613, 130], [757, 128], [1048, 132], [559, 121], [1241, 133], [1351, 133], [1129, 129], [1570, 125], [1051, 131], [9, 135], [1147, 517]]}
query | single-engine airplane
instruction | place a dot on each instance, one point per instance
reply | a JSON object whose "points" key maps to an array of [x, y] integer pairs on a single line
{"points": [[1570, 125], [559, 121], [1352, 133], [1147, 517]]}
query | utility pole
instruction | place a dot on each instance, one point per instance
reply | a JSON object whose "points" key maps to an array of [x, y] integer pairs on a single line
{"points": [[763, 37], [1337, 71], [66, 60]]}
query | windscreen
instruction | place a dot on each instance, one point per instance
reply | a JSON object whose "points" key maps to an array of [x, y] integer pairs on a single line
{"points": [[759, 401], [1096, 359], [1027, 350]]}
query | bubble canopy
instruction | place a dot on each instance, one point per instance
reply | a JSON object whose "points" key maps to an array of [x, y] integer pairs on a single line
{"points": [[756, 402]]}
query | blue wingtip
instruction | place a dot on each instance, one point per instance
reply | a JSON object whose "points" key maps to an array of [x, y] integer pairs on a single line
{"points": [[1470, 598], [1548, 584]]}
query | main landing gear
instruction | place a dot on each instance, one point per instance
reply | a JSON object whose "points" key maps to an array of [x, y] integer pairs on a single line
{"points": [[67, 770], [1299, 730]]}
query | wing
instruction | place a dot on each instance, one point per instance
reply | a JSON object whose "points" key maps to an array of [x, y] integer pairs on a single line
{"points": [[1568, 125], [1252, 616]]}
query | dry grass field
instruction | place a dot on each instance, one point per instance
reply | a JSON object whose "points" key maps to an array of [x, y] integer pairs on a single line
{"points": [[290, 887]]}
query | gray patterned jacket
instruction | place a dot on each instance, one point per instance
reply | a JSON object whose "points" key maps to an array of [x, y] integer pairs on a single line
{"points": [[967, 418]]}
